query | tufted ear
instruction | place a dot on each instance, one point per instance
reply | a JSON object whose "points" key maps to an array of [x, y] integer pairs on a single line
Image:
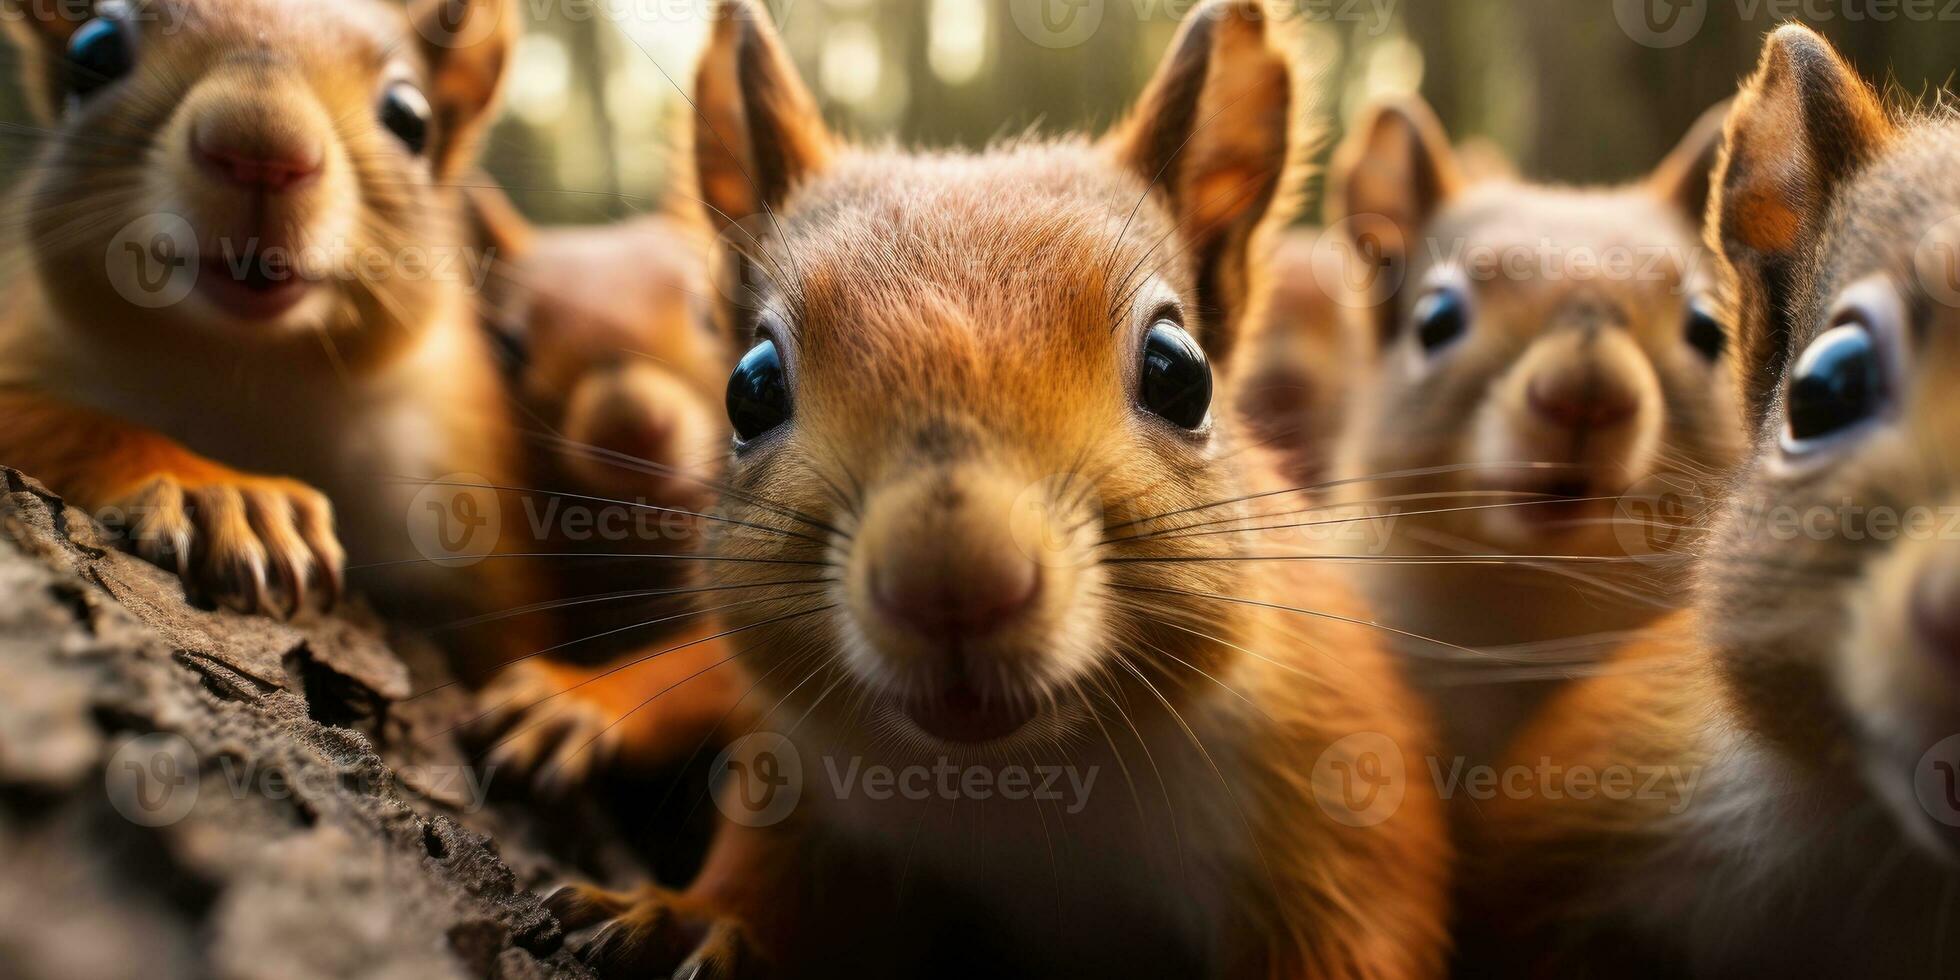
{"points": [[1219, 132], [1803, 125], [39, 30], [468, 44], [758, 132], [1685, 177], [1390, 178]]}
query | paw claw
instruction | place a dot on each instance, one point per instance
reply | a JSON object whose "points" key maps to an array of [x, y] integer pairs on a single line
{"points": [[250, 543]]}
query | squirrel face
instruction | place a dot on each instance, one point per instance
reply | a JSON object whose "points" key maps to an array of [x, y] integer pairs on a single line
{"points": [[1547, 341], [287, 159], [1831, 577], [966, 371]]}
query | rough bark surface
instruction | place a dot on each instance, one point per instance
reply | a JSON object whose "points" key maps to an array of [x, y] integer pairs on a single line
{"points": [[196, 793]]}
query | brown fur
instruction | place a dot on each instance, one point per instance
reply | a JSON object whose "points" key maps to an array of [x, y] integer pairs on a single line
{"points": [[1802, 687], [1581, 289], [219, 434], [958, 329]]}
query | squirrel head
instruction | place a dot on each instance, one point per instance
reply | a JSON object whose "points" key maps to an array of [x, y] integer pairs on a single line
{"points": [[1831, 581], [254, 172], [969, 375], [1543, 340]]}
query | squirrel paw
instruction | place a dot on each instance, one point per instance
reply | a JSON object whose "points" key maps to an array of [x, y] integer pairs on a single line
{"points": [[654, 931], [539, 724], [250, 543]]}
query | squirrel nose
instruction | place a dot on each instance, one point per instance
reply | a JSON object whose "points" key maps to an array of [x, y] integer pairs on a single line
{"points": [[1581, 399], [256, 160], [968, 599], [1935, 607]]}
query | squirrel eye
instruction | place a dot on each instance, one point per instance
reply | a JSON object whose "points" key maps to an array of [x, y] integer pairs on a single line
{"points": [[1705, 333], [1836, 384], [1176, 381], [98, 53], [758, 392], [406, 113], [1441, 317]]}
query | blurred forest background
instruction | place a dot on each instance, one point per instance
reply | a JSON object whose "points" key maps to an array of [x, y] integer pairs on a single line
{"points": [[1572, 90]]}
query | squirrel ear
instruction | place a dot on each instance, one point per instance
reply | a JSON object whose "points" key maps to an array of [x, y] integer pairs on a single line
{"points": [[1389, 178], [1684, 177], [1219, 131], [758, 131], [468, 44], [40, 32], [1803, 125]]}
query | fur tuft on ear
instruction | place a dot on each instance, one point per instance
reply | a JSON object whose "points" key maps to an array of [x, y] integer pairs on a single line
{"points": [[1804, 124], [1221, 132], [39, 30], [1390, 178], [758, 131], [1685, 177], [468, 44]]}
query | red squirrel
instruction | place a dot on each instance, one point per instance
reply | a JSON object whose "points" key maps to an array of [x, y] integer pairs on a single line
{"points": [[239, 317], [976, 398], [1544, 351], [1801, 715]]}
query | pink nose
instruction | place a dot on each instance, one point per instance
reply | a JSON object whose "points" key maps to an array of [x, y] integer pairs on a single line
{"points": [[1580, 400], [257, 161], [968, 599], [1936, 609]]}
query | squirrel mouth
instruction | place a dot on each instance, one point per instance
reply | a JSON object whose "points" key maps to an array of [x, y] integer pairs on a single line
{"points": [[961, 715], [254, 293]]}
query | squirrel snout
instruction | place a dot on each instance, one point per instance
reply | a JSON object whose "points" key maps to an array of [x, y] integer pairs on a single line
{"points": [[968, 598], [258, 160], [1935, 608], [1581, 397]]}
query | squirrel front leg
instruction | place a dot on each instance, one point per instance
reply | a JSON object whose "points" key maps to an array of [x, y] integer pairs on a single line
{"points": [[250, 541]]}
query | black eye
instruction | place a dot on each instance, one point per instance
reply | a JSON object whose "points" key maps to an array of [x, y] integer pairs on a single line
{"points": [[758, 392], [1705, 333], [1176, 380], [98, 53], [1441, 317], [406, 113], [1836, 384]]}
